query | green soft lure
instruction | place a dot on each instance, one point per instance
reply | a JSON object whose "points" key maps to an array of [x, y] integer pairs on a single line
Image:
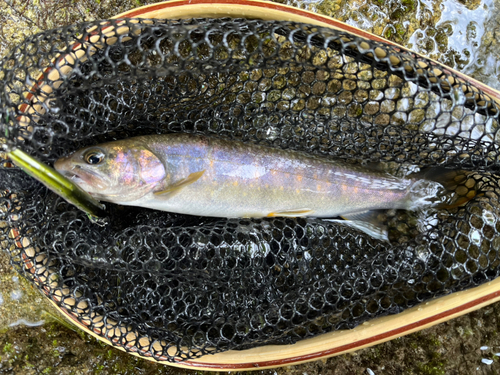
{"points": [[58, 184]]}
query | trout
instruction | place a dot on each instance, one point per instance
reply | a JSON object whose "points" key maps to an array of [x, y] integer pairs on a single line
{"points": [[199, 175]]}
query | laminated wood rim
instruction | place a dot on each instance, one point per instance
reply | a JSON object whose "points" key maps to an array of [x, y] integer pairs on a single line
{"points": [[327, 345]]}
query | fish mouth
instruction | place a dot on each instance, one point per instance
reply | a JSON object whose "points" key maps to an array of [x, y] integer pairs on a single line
{"points": [[72, 174], [86, 179]]}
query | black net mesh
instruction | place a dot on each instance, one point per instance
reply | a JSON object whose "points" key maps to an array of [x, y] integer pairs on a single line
{"points": [[175, 287]]}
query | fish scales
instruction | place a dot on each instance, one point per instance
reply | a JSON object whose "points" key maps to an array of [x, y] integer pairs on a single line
{"points": [[206, 176]]}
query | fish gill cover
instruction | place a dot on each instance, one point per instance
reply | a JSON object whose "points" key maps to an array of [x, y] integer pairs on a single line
{"points": [[176, 287]]}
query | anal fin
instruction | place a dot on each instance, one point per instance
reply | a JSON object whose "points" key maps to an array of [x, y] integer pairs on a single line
{"points": [[367, 222]]}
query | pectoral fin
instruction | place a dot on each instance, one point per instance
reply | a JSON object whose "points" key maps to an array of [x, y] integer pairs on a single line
{"points": [[291, 213], [179, 185]]}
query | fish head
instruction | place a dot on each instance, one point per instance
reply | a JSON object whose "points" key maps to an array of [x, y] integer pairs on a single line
{"points": [[114, 172]]}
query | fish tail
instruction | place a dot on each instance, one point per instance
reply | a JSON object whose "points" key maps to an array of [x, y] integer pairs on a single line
{"points": [[438, 187], [443, 188]]}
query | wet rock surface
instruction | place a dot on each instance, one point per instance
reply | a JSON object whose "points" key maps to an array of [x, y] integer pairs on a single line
{"points": [[20, 301], [464, 34]]}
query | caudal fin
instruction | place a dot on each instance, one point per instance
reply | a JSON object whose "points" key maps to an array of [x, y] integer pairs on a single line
{"points": [[439, 187], [459, 186]]}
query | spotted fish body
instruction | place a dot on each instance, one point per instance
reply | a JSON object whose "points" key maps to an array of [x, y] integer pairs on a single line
{"points": [[206, 176]]}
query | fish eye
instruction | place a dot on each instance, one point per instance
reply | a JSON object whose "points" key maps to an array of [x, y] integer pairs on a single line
{"points": [[94, 156]]}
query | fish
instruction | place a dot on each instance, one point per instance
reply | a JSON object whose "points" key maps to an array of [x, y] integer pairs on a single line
{"points": [[207, 176]]}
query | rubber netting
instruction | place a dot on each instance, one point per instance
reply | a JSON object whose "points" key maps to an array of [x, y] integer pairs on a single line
{"points": [[176, 287]]}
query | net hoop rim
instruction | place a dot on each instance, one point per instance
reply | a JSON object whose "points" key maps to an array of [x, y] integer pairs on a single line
{"points": [[373, 332]]}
